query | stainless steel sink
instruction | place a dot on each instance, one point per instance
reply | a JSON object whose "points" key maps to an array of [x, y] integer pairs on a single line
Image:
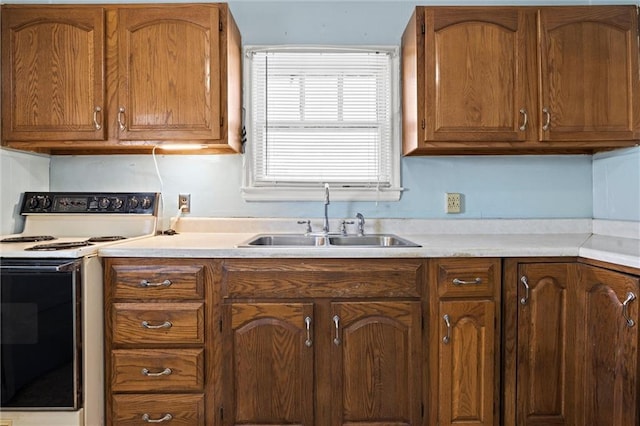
{"points": [[374, 240], [304, 240], [285, 240]]}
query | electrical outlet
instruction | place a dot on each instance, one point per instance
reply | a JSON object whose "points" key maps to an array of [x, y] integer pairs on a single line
{"points": [[184, 203], [453, 202]]}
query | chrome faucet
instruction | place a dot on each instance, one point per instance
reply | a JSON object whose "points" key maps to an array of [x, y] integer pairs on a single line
{"points": [[325, 226], [360, 218]]}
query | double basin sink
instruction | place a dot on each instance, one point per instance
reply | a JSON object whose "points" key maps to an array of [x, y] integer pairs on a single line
{"points": [[310, 240]]}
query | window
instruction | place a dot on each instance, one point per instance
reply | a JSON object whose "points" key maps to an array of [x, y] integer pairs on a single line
{"points": [[322, 115]]}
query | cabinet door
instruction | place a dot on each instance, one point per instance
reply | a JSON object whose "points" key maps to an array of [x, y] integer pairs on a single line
{"points": [[466, 356], [545, 370], [52, 74], [269, 372], [476, 75], [376, 363], [589, 82], [169, 73], [607, 348]]}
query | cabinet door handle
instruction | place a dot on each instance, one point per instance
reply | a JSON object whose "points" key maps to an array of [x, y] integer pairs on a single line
{"points": [[97, 123], [336, 322], [457, 281], [547, 119], [145, 283], [525, 119], [147, 418], [447, 321], [307, 322], [121, 119], [166, 324], [525, 283], [625, 309]]}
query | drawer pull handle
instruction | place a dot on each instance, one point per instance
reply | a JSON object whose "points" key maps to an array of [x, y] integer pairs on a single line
{"points": [[525, 117], [166, 324], [145, 283], [447, 321], [97, 123], [336, 322], [547, 119], [625, 309], [147, 418], [457, 281], [121, 119], [165, 372]]}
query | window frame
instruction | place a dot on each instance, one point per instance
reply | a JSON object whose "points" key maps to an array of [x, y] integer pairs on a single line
{"points": [[253, 191]]}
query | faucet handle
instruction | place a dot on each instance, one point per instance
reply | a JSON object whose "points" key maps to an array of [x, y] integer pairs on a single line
{"points": [[308, 223], [344, 226], [360, 218]]}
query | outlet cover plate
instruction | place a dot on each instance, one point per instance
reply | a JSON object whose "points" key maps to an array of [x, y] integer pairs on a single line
{"points": [[453, 202]]}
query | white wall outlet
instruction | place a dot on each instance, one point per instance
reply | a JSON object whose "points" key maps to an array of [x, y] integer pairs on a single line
{"points": [[184, 203], [453, 202]]}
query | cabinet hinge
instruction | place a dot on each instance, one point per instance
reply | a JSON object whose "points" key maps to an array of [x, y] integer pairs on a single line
{"points": [[422, 410], [422, 28], [220, 26], [422, 323], [221, 413], [221, 121], [220, 324], [423, 124]]}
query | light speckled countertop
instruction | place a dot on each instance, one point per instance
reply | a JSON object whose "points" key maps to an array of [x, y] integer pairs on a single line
{"points": [[610, 241]]}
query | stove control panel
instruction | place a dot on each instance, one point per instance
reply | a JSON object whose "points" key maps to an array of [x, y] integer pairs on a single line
{"points": [[90, 202]]}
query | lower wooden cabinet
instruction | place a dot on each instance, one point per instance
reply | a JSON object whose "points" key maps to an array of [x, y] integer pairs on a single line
{"points": [[464, 343], [323, 355], [570, 345]]}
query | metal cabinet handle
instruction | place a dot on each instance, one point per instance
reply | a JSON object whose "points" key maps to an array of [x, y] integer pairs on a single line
{"points": [[447, 321], [145, 283], [625, 309], [525, 119], [97, 124], [147, 418], [307, 322], [336, 322], [457, 281], [148, 373], [547, 119], [166, 324], [525, 283], [121, 119]]}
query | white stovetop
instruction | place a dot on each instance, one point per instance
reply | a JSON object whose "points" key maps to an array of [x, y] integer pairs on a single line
{"points": [[616, 242]]}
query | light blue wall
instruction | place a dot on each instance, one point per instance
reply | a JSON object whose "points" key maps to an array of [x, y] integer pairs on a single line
{"points": [[616, 185], [492, 187]]}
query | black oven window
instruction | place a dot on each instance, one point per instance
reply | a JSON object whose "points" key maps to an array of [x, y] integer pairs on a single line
{"points": [[39, 340]]}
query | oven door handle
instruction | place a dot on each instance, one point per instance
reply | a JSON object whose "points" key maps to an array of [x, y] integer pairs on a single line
{"points": [[62, 267]]}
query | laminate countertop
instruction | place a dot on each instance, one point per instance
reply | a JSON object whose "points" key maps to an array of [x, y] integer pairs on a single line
{"points": [[609, 241]]}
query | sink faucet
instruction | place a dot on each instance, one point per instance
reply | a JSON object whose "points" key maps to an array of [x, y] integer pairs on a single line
{"points": [[325, 226], [360, 218]]}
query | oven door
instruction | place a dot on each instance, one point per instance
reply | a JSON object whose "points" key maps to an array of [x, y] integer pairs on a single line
{"points": [[40, 340]]}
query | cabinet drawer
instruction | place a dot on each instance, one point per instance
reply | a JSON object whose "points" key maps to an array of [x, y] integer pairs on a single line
{"points": [[133, 409], [462, 277], [158, 323], [157, 370], [286, 278], [163, 282]]}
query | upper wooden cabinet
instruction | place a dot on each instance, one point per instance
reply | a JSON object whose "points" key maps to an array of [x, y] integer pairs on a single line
{"points": [[520, 79], [121, 78], [52, 74]]}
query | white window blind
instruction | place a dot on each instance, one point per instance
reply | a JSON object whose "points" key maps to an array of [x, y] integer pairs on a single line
{"points": [[322, 115]]}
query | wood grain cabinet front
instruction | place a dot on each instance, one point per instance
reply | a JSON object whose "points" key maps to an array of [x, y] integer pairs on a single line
{"points": [[464, 301], [120, 78], [320, 350], [160, 346], [472, 82]]}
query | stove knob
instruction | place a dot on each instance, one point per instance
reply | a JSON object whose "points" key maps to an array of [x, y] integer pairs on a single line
{"points": [[133, 203], [104, 203], [46, 202], [117, 203], [32, 203], [146, 203]]}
